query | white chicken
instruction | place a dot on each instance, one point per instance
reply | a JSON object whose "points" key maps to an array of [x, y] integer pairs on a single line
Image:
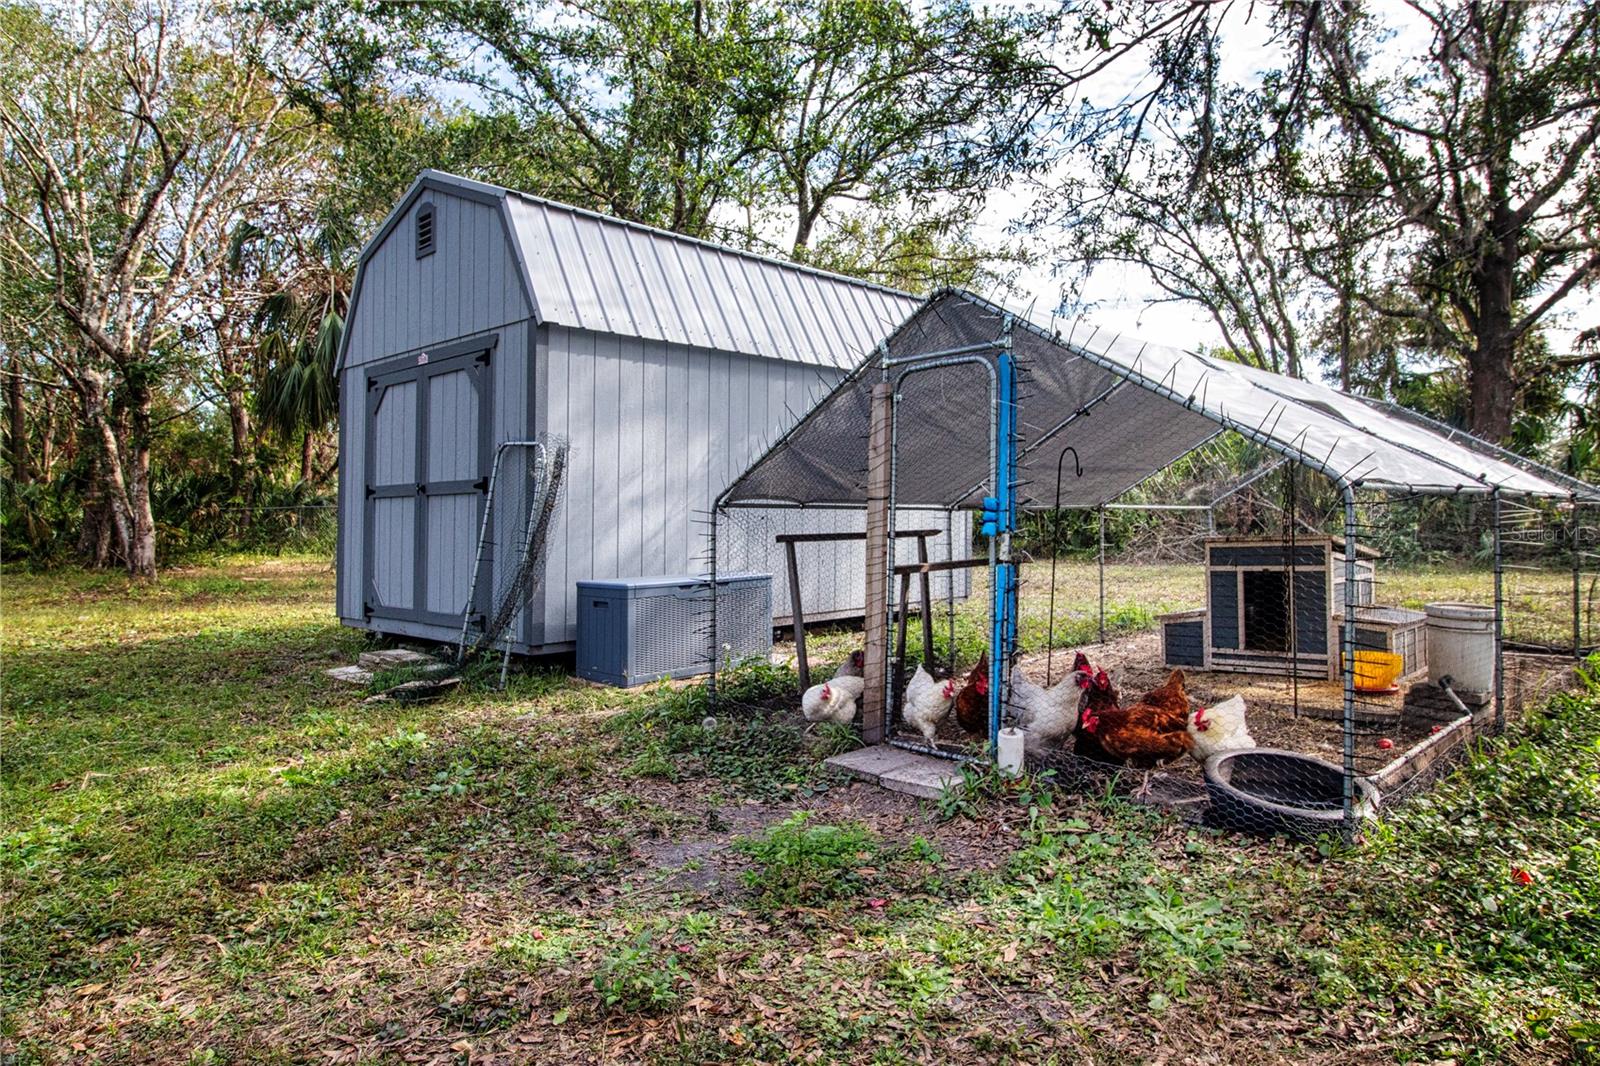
{"points": [[1218, 729], [1045, 715], [927, 702], [832, 701]]}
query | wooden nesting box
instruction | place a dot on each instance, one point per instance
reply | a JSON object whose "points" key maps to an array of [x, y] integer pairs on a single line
{"points": [[1366, 581], [1183, 638], [1269, 606], [1392, 629]]}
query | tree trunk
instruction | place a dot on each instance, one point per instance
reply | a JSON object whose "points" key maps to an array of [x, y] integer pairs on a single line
{"points": [[96, 535], [17, 424], [239, 424], [47, 437], [107, 529], [807, 219], [305, 457], [1491, 381], [142, 546], [1344, 339]]}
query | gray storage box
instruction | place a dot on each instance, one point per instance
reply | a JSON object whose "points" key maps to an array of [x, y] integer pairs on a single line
{"points": [[640, 629]]}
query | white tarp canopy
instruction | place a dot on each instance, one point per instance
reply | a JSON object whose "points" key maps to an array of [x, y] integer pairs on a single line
{"points": [[1127, 410]]}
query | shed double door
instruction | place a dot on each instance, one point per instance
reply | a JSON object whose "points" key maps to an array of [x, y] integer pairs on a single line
{"points": [[428, 449]]}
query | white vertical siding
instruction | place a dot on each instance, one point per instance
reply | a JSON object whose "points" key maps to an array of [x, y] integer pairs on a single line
{"points": [[456, 412], [668, 363], [657, 431], [469, 285]]}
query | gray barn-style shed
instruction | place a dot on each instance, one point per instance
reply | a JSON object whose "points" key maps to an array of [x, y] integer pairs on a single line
{"points": [[481, 315]]}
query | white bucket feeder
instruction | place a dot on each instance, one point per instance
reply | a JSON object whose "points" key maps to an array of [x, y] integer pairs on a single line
{"points": [[1011, 749], [1461, 645]]}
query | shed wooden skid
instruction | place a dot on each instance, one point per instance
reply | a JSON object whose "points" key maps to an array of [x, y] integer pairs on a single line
{"points": [[668, 364]]}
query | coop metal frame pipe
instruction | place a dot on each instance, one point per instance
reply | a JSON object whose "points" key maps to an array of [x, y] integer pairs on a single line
{"points": [[1102, 516], [1347, 644], [917, 365], [1154, 507], [1576, 548], [1499, 622], [950, 580], [711, 639], [942, 354], [1487, 447], [1003, 640]]}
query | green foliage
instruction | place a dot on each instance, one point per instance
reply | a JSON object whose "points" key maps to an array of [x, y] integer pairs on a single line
{"points": [[799, 864], [1374, 171], [1184, 939], [982, 782], [530, 951], [178, 773], [919, 984], [641, 978], [865, 132], [1522, 805], [38, 520], [1061, 912], [669, 737]]}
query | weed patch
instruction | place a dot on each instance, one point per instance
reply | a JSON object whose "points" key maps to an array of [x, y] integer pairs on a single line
{"points": [[800, 864], [643, 977], [677, 736]]}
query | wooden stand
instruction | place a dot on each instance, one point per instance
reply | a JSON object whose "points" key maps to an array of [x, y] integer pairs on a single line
{"points": [[797, 609], [922, 570]]}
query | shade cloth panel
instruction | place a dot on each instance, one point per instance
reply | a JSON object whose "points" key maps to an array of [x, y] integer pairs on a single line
{"points": [[1129, 409]]}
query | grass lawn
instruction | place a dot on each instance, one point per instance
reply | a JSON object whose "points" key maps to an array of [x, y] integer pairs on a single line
{"points": [[211, 853]]}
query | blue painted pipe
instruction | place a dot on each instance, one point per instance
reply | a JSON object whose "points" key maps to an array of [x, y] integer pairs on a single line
{"points": [[1003, 637]]}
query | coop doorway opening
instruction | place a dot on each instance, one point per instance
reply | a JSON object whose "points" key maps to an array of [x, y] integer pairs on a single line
{"points": [[1266, 610]]}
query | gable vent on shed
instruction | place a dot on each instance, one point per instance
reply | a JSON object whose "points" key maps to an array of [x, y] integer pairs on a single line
{"points": [[425, 230]]}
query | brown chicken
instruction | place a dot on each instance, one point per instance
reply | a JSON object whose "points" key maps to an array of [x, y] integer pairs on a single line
{"points": [[972, 703], [1146, 734], [1167, 707], [1099, 696]]}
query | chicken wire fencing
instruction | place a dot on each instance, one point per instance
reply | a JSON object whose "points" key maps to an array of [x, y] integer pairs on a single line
{"points": [[525, 490], [1348, 649], [1246, 594], [1211, 616]]}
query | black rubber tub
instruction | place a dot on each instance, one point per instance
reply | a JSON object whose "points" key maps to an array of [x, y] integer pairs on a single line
{"points": [[1267, 791]]}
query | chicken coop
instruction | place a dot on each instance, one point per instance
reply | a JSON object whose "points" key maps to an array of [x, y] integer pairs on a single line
{"points": [[1287, 514]]}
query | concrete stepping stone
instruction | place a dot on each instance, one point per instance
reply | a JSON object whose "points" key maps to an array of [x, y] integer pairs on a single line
{"points": [[391, 658], [908, 772], [350, 675]]}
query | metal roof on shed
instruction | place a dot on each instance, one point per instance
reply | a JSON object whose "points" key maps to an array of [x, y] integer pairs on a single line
{"points": [[593, 272]]}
